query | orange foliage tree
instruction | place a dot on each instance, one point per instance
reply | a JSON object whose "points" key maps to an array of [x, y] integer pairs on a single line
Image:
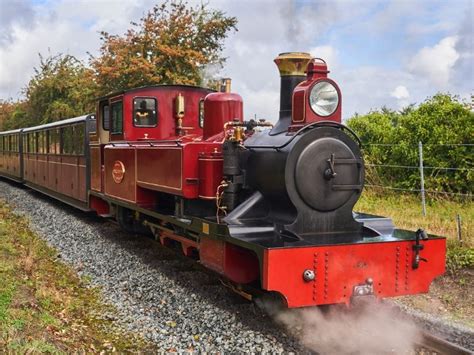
{"points": [[172, 44]]}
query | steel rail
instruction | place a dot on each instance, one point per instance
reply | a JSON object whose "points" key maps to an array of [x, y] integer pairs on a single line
{"points": [[441, 346]]}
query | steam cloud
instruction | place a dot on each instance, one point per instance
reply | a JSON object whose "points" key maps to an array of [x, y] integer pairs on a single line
{"points": [[370, 328]]}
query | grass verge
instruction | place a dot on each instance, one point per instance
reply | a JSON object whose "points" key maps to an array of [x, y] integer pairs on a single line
{"points": [[45, 306], [440, 219]]}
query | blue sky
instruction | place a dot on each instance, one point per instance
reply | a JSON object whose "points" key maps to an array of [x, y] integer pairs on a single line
{"points": [[382, 53]]}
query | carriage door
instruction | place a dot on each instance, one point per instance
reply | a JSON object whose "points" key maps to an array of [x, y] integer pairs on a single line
{"points": [[97, 144]]}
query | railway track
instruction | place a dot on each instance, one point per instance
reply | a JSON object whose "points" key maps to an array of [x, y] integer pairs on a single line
{"points": [[440, 346]]}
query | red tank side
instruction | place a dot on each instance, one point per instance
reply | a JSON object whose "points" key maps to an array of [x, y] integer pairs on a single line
{"points": [[220, 108], [210, 174]]}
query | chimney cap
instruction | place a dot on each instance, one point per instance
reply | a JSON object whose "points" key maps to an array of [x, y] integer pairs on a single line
{"points": [[292, 63]]}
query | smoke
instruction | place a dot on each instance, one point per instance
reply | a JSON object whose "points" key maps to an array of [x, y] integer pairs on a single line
{"points": [[371, 328], [210, 75]]}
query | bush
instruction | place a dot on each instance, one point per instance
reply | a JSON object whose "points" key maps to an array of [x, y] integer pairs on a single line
{"points": [[459, 257], [438, 123]]}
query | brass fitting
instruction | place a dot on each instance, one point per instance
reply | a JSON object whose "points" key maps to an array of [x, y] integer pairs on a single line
{"points": [[292, 63]]}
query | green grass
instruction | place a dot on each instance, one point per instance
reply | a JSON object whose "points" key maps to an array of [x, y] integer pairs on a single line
{"points": [[44, 306], [440, 219]]}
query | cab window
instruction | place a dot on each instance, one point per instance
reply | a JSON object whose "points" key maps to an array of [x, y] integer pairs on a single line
{"points": [[116, 114], [144, 112], [105, 117]]}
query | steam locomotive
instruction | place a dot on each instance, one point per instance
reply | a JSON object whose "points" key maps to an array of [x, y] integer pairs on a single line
{"points": [[268, 207]]}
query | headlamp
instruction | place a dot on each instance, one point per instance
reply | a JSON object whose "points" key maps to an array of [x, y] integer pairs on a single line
{"points": [[323, 98]]}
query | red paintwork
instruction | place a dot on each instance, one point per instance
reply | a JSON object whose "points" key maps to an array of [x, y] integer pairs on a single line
{"points": [[10, 161], [219, 109], [100, 206], [237, 264], [210, 174], [339, 268], [96, 167], [61, 173], [162, 158], [127, 190], [10, 164], [165, 97], [302, 112]]}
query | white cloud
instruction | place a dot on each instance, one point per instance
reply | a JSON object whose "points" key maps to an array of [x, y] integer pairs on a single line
{"points": [[436, 63], [65, 27], [400, 92], [328, 53]]}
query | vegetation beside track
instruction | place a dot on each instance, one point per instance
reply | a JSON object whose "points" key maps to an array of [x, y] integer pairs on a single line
{"points": [[44, 305], [440, 219]]}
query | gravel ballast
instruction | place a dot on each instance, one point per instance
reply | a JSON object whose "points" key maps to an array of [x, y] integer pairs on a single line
{"points": [[158, 295]]}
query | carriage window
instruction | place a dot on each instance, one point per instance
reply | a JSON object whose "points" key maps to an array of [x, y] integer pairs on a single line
{"points": [[47, 138], [41, 142], [201, 113], [45, 142], [32, 142], [15, 143], [79, 139], [50, 141], [67, 135], [91, 125], [54, 141], [144, 112], [25, 143], [105, 117], [116, 114]]}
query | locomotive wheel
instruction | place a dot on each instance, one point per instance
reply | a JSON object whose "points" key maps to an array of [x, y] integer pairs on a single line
{"points": [[127, 221]]}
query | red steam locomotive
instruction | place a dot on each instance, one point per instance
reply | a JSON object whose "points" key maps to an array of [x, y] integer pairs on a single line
{"points": [[268, 207]]}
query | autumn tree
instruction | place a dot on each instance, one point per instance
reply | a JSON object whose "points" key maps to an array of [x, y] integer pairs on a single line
{"points": [[172, 44], [62, 87], [12, 114]]}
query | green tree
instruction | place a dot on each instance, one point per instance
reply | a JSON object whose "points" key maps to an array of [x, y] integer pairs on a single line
{"points": [[62, 87], [172, 44], [12, 114], [444, 126]]}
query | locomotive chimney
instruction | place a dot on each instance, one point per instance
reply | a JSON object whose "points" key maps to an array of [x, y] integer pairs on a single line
{"points": [[292, 68]]}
